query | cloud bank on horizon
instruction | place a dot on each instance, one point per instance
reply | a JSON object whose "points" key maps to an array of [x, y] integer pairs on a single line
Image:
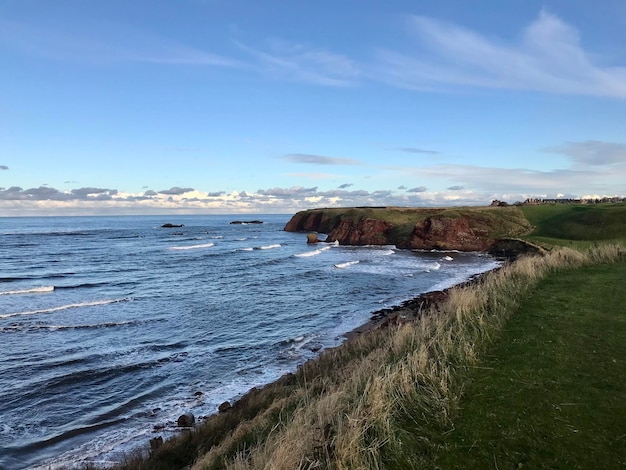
{"points": [[244, 108]]}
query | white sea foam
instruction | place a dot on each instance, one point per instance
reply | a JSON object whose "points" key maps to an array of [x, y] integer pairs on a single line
{"points": [[448, 258], [435, 266], [34, 290], [192, 247], [319, 251], [247, 249], [270, 247], [346, 264], [64, 307]]}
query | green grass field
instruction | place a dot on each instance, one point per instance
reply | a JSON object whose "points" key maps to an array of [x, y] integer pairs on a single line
{"points": [[576, 224], [550, 392]]}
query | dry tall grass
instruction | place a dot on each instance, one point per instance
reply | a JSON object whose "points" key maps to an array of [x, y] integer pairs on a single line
{"points": [[385, 399]]}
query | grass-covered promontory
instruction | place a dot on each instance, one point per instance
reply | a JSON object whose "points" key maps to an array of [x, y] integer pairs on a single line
{"points": [[520, 369], [461, 228]]}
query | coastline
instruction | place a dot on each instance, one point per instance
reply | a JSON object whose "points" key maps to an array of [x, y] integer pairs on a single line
{"points": [[269, 399], [410, 310]]}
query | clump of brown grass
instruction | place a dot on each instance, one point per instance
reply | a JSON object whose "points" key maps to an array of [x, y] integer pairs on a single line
{"points": [[386, 398]]}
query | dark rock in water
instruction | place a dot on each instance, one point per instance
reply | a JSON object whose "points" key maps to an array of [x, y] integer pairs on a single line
{"points": [[247, 222], [158, 427], [186, 420], [198, 394], [172, 225], [155, 443], [224, 407]]}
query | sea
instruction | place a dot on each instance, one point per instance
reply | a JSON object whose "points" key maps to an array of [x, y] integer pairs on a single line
{"points": [[112, 327]]}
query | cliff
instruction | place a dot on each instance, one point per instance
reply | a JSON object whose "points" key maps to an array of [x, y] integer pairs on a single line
{"points": [[464, 229]]}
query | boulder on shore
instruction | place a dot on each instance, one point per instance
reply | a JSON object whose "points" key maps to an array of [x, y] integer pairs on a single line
{"points": [[168, 225], [224, 407], [186, 420]]}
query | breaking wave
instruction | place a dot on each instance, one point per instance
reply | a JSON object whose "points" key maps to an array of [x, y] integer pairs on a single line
{"points": [[313, 252], [34, 290], [192, 247], [65, 307], [346, 264], [67, 327]]}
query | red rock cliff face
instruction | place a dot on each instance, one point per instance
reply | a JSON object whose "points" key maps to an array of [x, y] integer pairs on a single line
{"points": [[459, 233], [430, 229], [363, 232], [309, 222]]}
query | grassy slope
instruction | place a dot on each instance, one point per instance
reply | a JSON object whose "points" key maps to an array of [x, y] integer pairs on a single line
{"points": [[578, 225], [550, 393]]}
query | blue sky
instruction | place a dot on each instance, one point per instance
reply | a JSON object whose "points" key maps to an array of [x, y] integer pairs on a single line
{"points": [[227, 106]]}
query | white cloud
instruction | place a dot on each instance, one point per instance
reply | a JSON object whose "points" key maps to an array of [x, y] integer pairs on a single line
{"points": [[302, 63], [592, 152], [547, 58], [84, 201]]}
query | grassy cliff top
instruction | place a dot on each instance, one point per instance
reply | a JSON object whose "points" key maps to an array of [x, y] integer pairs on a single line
{"points": [[556, 223], [499, 222]]}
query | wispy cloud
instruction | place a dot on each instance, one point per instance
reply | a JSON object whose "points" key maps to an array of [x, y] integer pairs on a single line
{"points": [[417, 150], [102, 42], [592, 152], [547, 58], [319, 159], [313, 176], [455, 188], [418, 189], [523, 180], [302, 63], [4, 167]]}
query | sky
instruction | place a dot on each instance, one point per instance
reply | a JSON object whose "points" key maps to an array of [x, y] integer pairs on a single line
{"points": [[243, 106]]}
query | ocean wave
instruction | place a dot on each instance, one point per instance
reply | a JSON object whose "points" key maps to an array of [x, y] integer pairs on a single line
{"points": [[270, 247], [192, 247], [246, 249], [435, 266], [41, 276], [65, 307], [67, 327], [448, 258], [313, 252], [346, 264], [33, 290], [85, 285]]}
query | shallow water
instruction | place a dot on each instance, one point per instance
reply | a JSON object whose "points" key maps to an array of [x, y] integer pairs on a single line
{"points": [[110, 325]]}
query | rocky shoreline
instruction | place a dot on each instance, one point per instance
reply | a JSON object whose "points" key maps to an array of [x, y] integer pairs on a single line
{"points": [[409, 310]]}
